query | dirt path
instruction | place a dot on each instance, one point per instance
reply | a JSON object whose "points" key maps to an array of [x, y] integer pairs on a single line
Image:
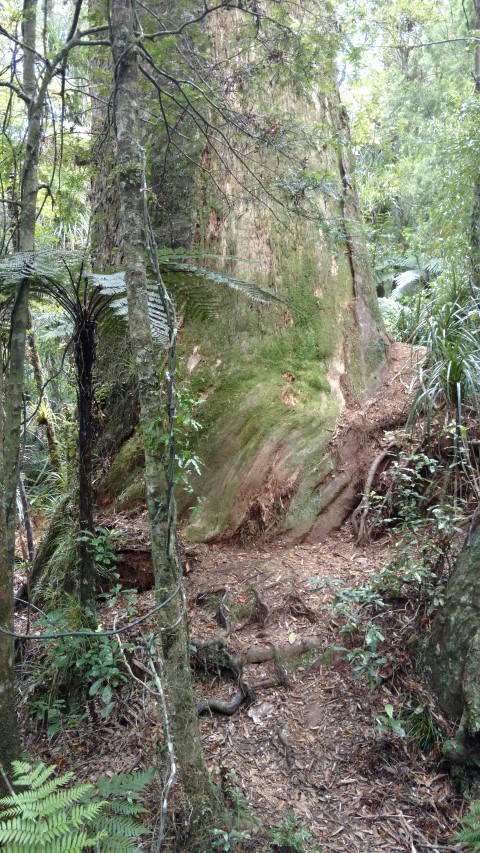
{"points": [[355, 789], [310, 748]]}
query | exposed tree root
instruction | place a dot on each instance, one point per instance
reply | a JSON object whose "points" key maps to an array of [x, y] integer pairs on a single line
{"points": [[261, 654], [244, 693], [216, 657], [259, 612], [359, 515], [297, 607]]}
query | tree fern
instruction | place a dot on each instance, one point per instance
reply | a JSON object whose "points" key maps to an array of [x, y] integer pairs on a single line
{"points": [[45, 816], [65, 276], [470, 835]]}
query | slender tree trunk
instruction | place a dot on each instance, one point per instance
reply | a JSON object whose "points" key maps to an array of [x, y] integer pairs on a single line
{"points": [[9, 737], [26, 519], [195, 778], [450, 660], [45, 416], [475, 228], [84, 359], [9, 742]]}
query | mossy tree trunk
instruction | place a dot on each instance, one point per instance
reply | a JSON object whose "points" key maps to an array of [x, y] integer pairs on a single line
{"points": [[475, 227], [9, 737], [184, 726], [450, 660], [281, 378], [11, 428]]}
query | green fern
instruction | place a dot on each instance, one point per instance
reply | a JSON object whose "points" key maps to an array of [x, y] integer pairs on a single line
{"points": [[48, 817], [470, 835], [64, 276]]}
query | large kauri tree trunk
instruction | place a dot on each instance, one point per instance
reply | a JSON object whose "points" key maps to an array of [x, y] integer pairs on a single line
{"points": [[276, 381]]}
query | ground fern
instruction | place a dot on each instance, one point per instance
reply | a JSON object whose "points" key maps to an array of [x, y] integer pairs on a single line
{"points": [[43, 815], [470, 835]]}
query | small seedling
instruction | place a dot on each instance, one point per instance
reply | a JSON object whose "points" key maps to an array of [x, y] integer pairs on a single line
{"points": [[388, 722], [226, 841]]}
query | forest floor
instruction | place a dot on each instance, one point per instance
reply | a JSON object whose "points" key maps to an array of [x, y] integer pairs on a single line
{"points": [[306, 754]]}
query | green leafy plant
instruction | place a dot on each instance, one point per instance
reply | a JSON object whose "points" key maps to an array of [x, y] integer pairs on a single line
{"points": [[226, 841], [102, 544], [69, 663], [49, 814], [291, 834], [448, 378], [367, 659], [387, 722], [52, 713]]}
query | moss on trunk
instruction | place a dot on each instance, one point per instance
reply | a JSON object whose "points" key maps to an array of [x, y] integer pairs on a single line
{"points": [[450, 658]]}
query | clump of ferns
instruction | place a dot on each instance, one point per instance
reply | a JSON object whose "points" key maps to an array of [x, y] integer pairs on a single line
{"points": [[47, 814], [59, 577]]}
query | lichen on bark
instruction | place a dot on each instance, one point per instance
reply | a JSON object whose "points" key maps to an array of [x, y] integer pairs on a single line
{"points": [[449, 658]]}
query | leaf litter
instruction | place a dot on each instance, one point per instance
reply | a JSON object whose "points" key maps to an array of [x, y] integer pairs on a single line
{"points": [[309, 746]]}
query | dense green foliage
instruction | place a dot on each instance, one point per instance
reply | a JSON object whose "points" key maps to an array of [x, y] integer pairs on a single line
{"points": [[409, 69]]}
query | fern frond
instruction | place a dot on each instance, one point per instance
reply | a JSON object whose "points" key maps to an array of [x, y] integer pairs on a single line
{"points": [[112, 285], [24, 798], [124, 807], [51, 818], [470, 835], [125, 783], [47, 803], [253, 291], [123, 827]]}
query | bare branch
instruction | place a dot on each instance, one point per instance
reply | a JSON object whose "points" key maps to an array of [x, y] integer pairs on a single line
{"points": [[7, 85]]}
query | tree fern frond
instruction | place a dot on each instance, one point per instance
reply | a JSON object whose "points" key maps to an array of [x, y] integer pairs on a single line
{"points": [[253, 291], [51, 272], [112, 285]]}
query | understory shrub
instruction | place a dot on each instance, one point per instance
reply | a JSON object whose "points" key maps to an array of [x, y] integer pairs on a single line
{"points": [[69, 669]]}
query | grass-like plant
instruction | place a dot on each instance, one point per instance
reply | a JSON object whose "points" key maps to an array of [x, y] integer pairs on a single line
{"points": [[448, 329]]}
